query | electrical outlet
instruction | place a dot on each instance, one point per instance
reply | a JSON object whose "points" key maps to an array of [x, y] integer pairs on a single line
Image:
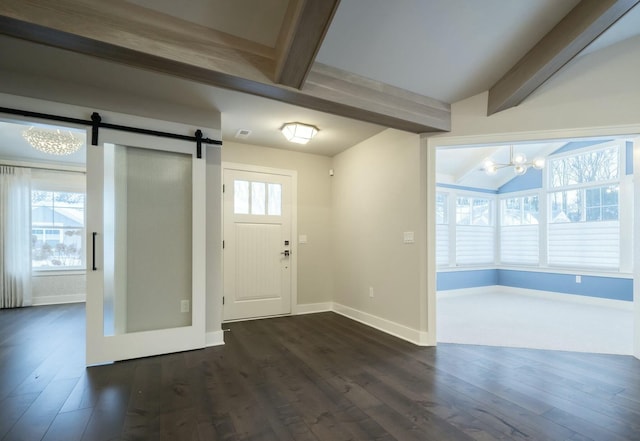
{"points": [[371, 291], [184, 305], [578, 279]]}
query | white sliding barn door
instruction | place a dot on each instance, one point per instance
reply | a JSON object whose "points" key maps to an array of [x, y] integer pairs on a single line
{"points": [[146, 253]]}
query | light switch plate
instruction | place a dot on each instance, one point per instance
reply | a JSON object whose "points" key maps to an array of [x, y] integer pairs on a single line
{"points": [[408, 237], [302, 238]]}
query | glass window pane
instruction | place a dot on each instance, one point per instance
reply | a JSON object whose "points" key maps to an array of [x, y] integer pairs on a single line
{"points": [[593, 166], [481, 213], [610, 195], [274, 200], [241, 197], [593, 197], [530, 210], [258, 198], [511, 211], [568, 206], [610, 213], [57, 221], [463, 211], [593, 214]]}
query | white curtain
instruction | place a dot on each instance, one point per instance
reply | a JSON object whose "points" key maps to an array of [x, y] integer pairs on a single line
{"points": [[15, 237]]}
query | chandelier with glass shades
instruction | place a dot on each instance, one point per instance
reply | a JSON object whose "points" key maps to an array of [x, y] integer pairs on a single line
{"points": [[516, 160], [298, 132], [52, 141]]}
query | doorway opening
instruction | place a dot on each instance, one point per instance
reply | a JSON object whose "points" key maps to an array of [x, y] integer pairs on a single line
{"points": [[534, 253]]}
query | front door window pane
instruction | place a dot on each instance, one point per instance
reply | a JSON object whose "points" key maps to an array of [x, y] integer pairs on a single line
{"points": [[258, 198], [241, 197], [275, 200]]}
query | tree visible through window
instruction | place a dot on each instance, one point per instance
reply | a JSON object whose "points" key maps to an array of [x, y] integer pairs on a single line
{"points": [[584, 227]]}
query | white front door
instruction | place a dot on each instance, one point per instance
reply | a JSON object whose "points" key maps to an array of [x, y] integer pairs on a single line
{"points": [[258, 245], [146, 236]]}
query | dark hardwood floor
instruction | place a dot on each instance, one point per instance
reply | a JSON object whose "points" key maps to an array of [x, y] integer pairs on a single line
{"points": [[313, 377]]}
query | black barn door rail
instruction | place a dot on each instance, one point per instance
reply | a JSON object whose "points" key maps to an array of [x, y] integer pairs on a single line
{"points": [[96, 123]]}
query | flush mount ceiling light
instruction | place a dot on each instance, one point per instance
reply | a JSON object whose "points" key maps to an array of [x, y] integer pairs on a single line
{"points": [[298, 132], [518, 161], [52, 141]]}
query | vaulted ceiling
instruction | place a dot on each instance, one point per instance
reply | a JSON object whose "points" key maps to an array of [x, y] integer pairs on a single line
{"points": [[352, 67]]}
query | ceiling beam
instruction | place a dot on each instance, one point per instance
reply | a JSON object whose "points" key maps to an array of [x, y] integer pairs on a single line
{"points": [[581, 26], [305, 24], [126, 33], [348, 89]]}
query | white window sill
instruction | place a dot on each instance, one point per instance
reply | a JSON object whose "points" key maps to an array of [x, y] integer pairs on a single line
{"points": [[57, 272]]}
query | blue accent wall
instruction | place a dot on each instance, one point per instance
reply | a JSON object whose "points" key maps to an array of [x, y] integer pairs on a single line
{"points": [[466, 279], [591, 286], [629, 158], [531, 180], [613, 288], [574, 145]]}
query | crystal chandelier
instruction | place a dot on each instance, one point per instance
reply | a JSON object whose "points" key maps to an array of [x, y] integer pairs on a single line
{"points": [[518, 161], [52, 141]]}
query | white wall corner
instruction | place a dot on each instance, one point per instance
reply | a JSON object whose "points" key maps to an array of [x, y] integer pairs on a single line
{"points": [[411, 335], [215, 338], [312, 308]]}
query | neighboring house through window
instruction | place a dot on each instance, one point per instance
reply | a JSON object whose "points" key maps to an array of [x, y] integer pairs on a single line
{"points": [[57, 221]]}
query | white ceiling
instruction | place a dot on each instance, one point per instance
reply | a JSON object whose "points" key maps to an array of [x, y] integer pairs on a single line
{"points": [[445, 49]]}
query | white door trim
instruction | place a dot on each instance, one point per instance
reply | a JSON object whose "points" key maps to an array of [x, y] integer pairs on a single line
{"points": [[293, 174]]}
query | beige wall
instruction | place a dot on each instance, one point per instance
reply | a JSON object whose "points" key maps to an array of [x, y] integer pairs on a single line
{"points": [[375, 192], [59, 288], [596, 92], [315, 281]]}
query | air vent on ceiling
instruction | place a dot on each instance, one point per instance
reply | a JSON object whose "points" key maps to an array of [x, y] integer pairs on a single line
{"points": [[243, 133]]}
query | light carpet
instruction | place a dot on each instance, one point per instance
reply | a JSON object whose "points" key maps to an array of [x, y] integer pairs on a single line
{"points": [[523, 321]]}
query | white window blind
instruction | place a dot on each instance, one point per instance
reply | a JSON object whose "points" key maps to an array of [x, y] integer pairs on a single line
{"points": [[519, 244], [519, 230], [442, 229], [474, 244], [585, 244], [442, 244]]}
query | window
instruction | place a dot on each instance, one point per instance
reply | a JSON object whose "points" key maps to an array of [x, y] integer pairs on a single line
{"points": [[442, 229], [584, 228], [519, 231], [473, 211], [57, 230], [475, 234], [257, 198]]}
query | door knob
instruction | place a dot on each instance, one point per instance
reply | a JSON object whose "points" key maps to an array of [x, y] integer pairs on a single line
{"points": [[286, 253]]}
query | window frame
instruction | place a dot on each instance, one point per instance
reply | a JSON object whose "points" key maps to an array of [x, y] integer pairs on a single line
{"points": [[61, 181], [549, 190]]}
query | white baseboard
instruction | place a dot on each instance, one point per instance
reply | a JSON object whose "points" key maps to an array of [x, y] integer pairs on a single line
{"points": [[312, 308], [58, 300], [411, 335], [550, 295], [215, 338], [469, 291]]}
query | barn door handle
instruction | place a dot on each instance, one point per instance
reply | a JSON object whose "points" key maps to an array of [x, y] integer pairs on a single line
{"points": [[93, 249]]}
